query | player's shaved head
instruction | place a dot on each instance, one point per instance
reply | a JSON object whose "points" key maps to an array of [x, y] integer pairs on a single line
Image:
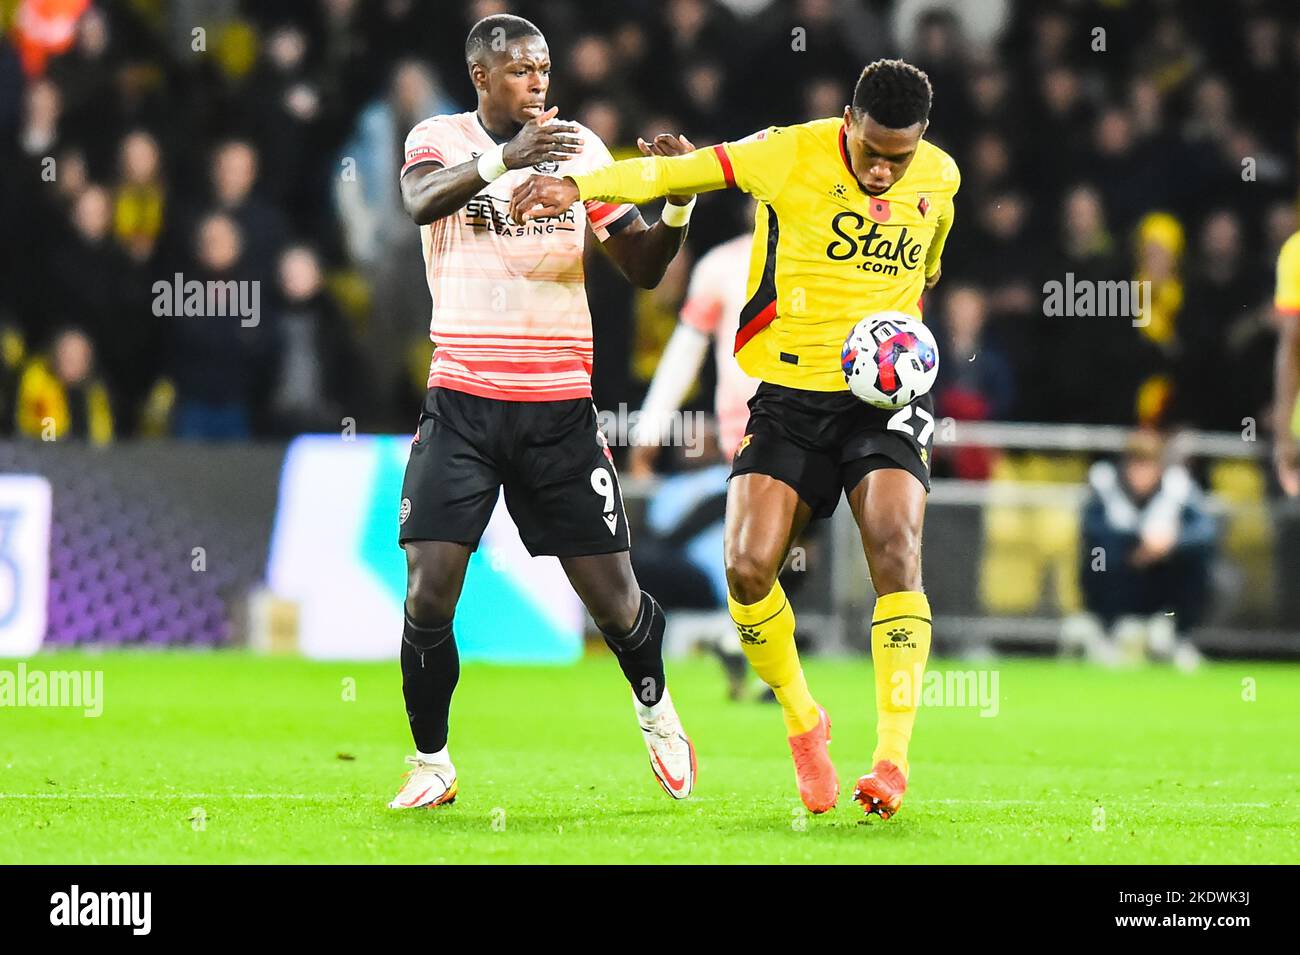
{"points": [[493, 35], [893, 93]]}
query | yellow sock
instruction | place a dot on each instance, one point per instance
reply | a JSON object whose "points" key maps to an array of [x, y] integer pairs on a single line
{"points": [[766, 633], [900, 644]]}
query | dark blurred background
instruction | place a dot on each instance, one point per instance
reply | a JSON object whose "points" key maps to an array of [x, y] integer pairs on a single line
{"points": [[1109, 140], [262, 140]]}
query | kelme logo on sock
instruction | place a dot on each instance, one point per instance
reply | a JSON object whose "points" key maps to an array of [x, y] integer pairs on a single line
{"points": [[749, 635], [900, 637]]}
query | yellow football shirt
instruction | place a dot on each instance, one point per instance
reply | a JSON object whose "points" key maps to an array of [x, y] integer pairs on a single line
{"points": [[825, 254]]}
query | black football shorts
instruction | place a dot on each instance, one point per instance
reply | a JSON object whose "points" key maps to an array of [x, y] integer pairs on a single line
{"points": [[822, 443], [561, 487]]}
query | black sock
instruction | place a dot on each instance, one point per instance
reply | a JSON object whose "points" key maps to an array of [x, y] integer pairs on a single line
{"points": [[640, 652], [430, 670]]}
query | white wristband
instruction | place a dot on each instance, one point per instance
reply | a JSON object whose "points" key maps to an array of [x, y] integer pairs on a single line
{"points": [[677, 216], [492, 164]]}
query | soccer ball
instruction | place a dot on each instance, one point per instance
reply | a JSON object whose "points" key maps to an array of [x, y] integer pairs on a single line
{"points": [[890, 359]]}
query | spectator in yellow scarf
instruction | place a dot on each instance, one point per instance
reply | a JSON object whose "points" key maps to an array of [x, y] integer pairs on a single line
{"points": [[140, 197], [60, 398]]}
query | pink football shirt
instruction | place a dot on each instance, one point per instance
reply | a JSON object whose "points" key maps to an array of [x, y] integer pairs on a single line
{"points": [[714, 298], [510, 318]]}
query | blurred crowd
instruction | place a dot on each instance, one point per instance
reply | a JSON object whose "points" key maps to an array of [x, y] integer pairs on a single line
{"points": [[1145, 140]]}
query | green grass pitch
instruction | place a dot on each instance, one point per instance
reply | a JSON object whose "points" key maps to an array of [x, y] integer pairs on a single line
{"points": [[227, 757]]}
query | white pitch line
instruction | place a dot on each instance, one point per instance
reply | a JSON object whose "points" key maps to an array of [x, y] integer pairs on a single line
{"points": [[172, 796], [1131, 804]]}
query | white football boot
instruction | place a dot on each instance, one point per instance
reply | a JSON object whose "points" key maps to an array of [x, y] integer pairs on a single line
{"points": [[672, 757], [427, 784], [1162, 637], [1186, 657]]}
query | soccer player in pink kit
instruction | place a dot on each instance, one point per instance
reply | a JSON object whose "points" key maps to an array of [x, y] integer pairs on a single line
{"points": [[509, 400], [710, 316], [714, 299]]}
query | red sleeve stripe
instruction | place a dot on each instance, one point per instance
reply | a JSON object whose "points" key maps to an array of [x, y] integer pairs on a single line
{"points": [[419, 162], [727, 173], [625, 218], [701, 314], [422, 154], [602, 213]]}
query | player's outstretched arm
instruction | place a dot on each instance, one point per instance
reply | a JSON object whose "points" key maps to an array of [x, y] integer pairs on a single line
{"points": [[631, 180], [643, 253], [430, 192]]}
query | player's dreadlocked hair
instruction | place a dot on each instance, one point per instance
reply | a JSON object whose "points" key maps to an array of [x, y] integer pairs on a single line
{"points": [[893, 93], [494, 32]]}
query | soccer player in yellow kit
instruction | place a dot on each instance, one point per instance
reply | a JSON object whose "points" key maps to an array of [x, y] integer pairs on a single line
{"points": [[852, 218], [1286, 390]]}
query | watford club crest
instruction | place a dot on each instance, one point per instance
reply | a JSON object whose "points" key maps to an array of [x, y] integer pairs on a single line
{"points": [[923, 206], [879, 210]]}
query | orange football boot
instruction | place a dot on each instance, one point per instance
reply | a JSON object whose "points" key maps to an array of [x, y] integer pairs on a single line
{"points": [[819, 787], [881, 790]]}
